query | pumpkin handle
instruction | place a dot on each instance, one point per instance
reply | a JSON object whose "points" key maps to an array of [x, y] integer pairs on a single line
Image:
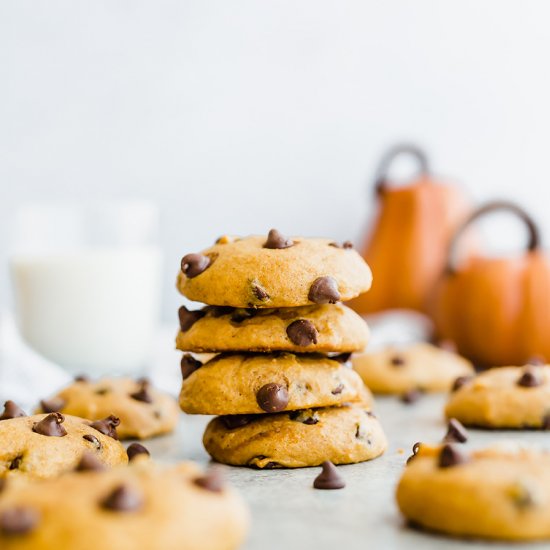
{"points": [[381, 178], [533, 231]]}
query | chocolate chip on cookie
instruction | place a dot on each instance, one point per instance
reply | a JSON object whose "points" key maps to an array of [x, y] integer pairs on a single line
{"points": [[276, 240], [136, 449], [15, 463], [189, 318], [341, 357], [411, 396], [346, 245], [302, 332], [93, 440], [397, 360], [143, 394], [324, 290], [530, 378], [107, 426], [460, 381], [259, 292], [451, 456], [329, 478], [233, 421], [456, 432], [272, 397], [18, 521], [11, 410], [53, 405], [338, 389], [415, 449], [123, 499], [307, 416], [189, 365], [212, 480], [51, 425], [194, 264], [89, 463]]}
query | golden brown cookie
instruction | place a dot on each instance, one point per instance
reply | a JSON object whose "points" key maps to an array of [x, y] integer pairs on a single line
{"points": [[498, 493], [343, 435], [504, 397], [273, 271], [421, 366], [143, 411], [323, 328], [143, 506], [252, 383], [46, 445]]}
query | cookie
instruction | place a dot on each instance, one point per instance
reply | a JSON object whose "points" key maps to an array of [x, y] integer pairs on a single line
{"points": [[138, 507], [46, 445], [342, 435], [498, 493], [249, 383], [143, 411], [421, 366], [323, 328], [504, 397], [273, 271]]}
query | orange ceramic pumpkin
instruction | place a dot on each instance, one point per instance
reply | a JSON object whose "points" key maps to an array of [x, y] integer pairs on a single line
{"points": [[408, 244], [497, 310]]}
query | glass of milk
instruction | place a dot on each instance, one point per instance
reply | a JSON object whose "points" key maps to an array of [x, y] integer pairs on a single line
{"points": [[87, 281]]}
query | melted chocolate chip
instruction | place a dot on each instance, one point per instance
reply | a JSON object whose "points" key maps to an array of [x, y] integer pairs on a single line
{"points": [[189, 318], [456, 432], [18, 521], [52, 405], [305, 417], [89, 463], [143, 394], [451, 456], [460, 381], [93, 440], [324, 290], [136, 449], [107, 426], [276, 240], [242, 314], [212, 481], [338, 389], [233, 421], [189, 365], [530, 378], [302, 332], [194, 264], [260, 292], [411, 396], [11, 410], [51, 425], [272, 397], [341, 357], [123, 499], [397, 361], [329, 478], [15, 463]]}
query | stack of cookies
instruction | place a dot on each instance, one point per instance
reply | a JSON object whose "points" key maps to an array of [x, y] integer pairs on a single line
{"points": [[280, 380]]}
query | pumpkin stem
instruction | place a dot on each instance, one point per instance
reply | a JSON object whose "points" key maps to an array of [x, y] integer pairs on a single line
{"points": [[534, 234], [381, 178]]}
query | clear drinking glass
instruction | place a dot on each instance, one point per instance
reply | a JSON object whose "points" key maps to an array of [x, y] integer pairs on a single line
{"points": [[87, 280]]}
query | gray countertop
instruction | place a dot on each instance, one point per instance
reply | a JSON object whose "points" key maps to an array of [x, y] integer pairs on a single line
{"points": [[287, 513]]}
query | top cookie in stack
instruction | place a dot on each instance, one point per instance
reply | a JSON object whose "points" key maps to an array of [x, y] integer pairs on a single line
{"points": [[273, 315]]}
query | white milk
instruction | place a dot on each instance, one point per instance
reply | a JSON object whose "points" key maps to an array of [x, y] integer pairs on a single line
{"points": [[92, 311]]}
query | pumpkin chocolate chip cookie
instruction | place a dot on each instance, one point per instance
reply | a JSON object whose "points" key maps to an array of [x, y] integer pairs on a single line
{"points": [[501, 493], [343, 435], [273, 271], [250, 383], [323, 328]]}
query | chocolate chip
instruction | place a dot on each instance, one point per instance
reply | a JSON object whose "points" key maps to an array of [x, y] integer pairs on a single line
{"points": [[260, 293], [397, 361], [415, 449], [329, 478], [194, 264], [460, 381], [530, 378], [89, 463], [341, 357], [456, 432], [189, 318], [233, 421], [52, 405], [15, 463], [272, 397], [18, 521], [242, 314], [123, 499], [143, 394], [546, 422], [324, 290], [51, 425], [189, 365], [81, 378], [136, 449], [346, 245], [451, 456], [411, 396], [271, 465], [302, 332], [276, 240], [212, 481], [338, 389], [93, 440], [11, 410], [107, 426], [305, 417]]}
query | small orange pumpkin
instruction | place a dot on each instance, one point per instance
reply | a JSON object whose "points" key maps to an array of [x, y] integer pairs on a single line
{"points": [[496, 310], [408, 244]]}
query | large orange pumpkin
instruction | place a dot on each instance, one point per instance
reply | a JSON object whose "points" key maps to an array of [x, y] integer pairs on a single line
{"points": [[407, 246], [497, 310]]}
